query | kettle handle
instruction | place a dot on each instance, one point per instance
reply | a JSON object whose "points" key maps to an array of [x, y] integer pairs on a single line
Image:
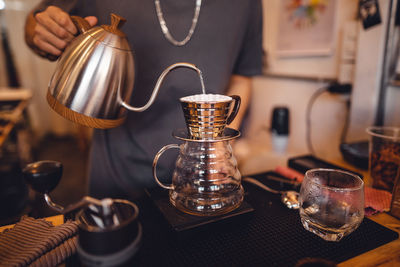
{"points": [[158, 84], [159, 153], [81, 23]]}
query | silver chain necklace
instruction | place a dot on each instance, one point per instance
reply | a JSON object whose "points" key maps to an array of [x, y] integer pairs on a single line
{"points": [[164, 27]]}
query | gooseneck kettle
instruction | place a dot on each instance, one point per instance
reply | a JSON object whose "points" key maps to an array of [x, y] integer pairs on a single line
{"points": [[93, 80]]}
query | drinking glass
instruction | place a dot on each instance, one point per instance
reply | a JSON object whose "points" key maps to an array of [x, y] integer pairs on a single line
{"points": [[384, 156], [331, 203]]}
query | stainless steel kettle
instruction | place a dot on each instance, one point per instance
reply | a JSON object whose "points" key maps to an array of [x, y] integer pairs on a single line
{"points": [[93, 79]]}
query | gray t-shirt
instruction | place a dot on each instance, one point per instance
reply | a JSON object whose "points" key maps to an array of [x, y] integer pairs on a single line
{"points": [[226, 41]]}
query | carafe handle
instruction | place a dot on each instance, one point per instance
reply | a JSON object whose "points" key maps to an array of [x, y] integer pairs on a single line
{"points": [[235, 109], [158, 155], [158, 85]]}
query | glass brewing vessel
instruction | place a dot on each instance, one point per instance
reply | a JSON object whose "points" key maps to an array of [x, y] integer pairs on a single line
{"points": [[206, 180]]}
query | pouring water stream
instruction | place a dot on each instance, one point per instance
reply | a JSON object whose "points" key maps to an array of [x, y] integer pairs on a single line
{"points": [[203, 88]]}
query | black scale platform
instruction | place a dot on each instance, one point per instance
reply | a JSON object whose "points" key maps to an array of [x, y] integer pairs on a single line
{"points": [[269, 235]]}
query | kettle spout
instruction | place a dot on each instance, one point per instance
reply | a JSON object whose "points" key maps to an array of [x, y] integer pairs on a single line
{"points": [[159, 83]]}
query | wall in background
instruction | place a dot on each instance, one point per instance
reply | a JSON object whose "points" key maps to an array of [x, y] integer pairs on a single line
{"points": [[254, 151], [367, 79], [392, 108], [34, 71], [315, 66], [3, 72]]}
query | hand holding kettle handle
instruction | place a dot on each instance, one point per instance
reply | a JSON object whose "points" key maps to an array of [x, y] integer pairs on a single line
{"points": [[81, 24], [158, 85], [159, 153]]}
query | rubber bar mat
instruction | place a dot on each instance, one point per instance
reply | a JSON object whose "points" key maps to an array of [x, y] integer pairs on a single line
{"points": [[271, 236]]}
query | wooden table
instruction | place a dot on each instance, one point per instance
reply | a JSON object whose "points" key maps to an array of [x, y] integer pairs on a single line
{"points": [[386, 255], [55, 220]]}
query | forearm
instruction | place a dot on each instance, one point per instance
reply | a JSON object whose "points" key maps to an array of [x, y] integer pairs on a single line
{"points": [[240, 85]]}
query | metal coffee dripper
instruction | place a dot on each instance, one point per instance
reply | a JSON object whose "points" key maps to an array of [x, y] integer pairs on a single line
{"points": [[206, 180], [207, 119], [109, 231]]}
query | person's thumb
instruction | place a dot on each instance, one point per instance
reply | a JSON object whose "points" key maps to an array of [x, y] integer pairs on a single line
{"points": [[92, 20]]}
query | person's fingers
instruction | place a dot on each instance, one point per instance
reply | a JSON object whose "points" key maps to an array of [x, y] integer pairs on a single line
{"points": [[45, 23], [46, 47], [92, 20], [54, 30], [62, 19], [43, 34]]}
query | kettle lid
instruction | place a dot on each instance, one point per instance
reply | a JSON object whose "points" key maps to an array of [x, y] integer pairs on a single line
{"points": [[111, 35]]}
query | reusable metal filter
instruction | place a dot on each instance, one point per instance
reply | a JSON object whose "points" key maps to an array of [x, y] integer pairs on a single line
{"points": [[207, 115]]}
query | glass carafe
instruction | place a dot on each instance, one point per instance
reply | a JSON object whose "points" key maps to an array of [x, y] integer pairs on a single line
{"points": [[206, 180]]}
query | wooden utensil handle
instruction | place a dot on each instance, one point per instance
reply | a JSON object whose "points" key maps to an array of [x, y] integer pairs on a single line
{"points": [[82, 24]]}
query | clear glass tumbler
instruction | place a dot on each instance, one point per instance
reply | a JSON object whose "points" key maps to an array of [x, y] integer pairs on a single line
{"points": [[331, 203]]}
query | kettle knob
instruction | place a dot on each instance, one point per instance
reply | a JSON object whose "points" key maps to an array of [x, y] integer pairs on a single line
{"points": [[116, 23], [43, 176]]}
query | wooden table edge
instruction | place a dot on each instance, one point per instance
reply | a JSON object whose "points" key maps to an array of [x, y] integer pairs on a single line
{"points": [[55, 220]]}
